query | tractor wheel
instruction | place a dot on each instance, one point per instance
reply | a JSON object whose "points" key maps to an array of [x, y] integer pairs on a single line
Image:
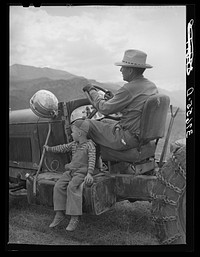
{"points": [[169, 199]]}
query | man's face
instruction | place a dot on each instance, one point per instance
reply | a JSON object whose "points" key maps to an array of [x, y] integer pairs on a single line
{"points": [[126, 73]]}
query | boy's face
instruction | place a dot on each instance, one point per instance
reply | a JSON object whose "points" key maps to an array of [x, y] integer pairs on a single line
{"points": [[75, 133]]}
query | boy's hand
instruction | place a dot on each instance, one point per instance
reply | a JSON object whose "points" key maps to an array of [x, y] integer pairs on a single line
{"points": [[46, 147], [88, 179]]}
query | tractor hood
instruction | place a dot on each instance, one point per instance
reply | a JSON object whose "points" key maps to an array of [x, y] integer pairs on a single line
{"points": [[28, 116], [25, 116]]}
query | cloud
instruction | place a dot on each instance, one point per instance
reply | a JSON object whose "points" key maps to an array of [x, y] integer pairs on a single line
{"points": [[87, 41], [71, 43]]}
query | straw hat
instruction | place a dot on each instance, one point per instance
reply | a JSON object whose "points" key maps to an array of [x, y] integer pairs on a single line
{"points": [[134, 58]]}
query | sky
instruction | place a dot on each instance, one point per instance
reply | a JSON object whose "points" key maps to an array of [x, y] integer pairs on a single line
{"points": [[88, 40]]}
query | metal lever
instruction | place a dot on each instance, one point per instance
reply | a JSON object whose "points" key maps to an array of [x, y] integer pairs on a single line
{"points": [[173, 115], [41, 160]]}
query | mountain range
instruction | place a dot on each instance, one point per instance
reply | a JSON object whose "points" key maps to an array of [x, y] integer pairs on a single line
{"points": [[25, 81]]}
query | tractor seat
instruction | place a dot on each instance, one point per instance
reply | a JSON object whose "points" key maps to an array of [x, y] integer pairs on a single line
{"points": [[152, 128]]}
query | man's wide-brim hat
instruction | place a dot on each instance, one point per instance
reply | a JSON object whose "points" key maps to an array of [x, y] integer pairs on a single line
{"points": [[134, 58]]}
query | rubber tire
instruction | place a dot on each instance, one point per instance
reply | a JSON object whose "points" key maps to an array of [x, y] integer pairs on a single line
{"points": [[170, 219]]}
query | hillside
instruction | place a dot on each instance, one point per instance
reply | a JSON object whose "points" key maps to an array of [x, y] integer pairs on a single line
{"points": [[25, 81], [20, 72], [64, 90], [177, 98], [21, 92]]}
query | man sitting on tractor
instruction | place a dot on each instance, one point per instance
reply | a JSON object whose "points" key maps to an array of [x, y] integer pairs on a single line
{"points": [[128, 100]]}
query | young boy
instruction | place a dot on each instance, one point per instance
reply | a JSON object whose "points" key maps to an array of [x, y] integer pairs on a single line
{"points": [[67, 194]]}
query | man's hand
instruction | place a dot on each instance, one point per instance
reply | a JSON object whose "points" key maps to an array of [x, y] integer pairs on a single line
{"points": [[108, 95], [88, 179], [88, 87]]}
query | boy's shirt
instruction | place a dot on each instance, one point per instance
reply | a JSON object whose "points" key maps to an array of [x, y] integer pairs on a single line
{"points": [[73, 147]]}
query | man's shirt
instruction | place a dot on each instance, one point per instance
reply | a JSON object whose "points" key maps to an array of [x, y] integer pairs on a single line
{"points": [[129, 101]]}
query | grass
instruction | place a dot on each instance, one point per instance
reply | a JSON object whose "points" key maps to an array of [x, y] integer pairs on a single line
{"points": [[30, 225], [126, 224]]}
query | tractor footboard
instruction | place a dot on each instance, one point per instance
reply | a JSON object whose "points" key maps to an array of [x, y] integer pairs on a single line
{"points": [[97, 198], [134, 188]]}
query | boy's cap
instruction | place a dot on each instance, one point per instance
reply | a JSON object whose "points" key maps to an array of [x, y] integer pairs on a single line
{"points": [[82, 125]]}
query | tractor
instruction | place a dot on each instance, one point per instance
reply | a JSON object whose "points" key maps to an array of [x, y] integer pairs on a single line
{"points": [[133, 175]]}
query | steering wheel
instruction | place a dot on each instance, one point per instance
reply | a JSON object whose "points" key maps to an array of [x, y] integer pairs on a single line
{"points": [[90, 99], [88, 95], [95, 110]]}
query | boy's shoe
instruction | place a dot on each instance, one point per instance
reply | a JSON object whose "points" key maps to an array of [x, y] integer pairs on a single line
{"points": [[57, 219], [73, 223]]}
